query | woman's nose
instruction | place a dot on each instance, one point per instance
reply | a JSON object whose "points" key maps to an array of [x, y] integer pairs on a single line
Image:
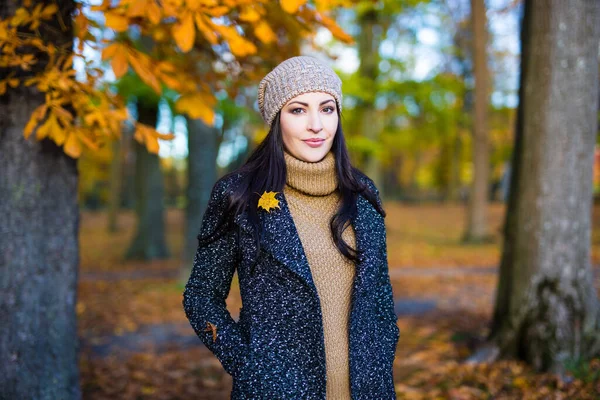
{"points": [[315, 124]]}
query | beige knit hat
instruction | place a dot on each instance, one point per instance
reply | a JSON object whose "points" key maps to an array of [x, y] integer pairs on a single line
{"points": [[292, 77]]}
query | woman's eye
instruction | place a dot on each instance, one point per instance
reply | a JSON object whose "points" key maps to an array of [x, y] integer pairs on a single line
{"points": [[329, 109], [297, 110]]}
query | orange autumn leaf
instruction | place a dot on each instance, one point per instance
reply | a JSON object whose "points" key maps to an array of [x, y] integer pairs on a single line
{"points": [[137, 8], [36, 117], [110, 51], [217, 11], [171, 82], [141, 64], [197, 105], [117, 22], [72, 146], [249, 14], [264, 32], [149, 137], [335, 29], [21, 17], [141, 135], [238, 45], [152, 144], [291, 6], [86, 140], [48, 128], [119, 64], [184, 33], [203, 26], [81, 27], [153, 12]]}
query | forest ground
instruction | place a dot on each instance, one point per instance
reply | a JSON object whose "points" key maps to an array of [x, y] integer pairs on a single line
{"points": [[136, 343]]}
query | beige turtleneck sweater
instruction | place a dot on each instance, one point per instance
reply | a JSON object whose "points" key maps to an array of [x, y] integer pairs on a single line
{"points": [[312, 196]]}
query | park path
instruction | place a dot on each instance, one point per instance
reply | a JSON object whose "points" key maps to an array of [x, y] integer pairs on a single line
{"points": [[179, 336]]}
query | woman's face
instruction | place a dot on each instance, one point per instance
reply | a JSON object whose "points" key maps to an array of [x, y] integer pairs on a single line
{"points": [[308, 125]]}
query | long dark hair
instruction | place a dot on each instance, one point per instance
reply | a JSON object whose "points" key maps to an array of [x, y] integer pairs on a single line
{"points": [[265, 170]]}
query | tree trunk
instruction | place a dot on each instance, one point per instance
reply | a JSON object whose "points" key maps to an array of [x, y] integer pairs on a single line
{"points": [[149, 242], [202, 174], [39, 251], [368, 48], [547, 311], [116, 181], [477, 226], [128, 169], [455, 178]]}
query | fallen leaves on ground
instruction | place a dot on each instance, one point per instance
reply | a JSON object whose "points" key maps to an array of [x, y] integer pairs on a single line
{"points": [[430, 354]]}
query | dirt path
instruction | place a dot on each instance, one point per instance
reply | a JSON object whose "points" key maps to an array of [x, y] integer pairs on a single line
{"points": [[158, 338]]}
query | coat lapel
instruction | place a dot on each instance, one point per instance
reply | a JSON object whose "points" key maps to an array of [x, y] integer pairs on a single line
{"points": [[282, 241]]}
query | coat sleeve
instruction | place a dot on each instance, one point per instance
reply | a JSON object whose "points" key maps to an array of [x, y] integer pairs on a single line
{"points": [[385, 296], [208, 287]]}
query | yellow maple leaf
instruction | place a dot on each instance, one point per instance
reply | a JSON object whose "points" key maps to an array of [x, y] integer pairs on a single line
{"points": [[268, 201]]}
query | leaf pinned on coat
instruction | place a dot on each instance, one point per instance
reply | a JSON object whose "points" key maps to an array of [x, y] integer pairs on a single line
{"points": [[267, 201]]}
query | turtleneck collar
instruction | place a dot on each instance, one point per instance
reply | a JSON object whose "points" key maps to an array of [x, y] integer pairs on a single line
{"points": [[313, 178]]}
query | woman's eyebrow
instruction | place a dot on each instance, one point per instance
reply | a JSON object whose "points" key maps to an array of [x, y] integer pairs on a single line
{"points": [[306, 104]]}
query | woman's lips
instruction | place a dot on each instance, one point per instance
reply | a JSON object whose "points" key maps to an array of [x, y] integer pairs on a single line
{"points": [[314, 143]]}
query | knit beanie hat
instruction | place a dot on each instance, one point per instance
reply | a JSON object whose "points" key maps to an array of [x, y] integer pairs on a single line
{"points": [[292, 77]]}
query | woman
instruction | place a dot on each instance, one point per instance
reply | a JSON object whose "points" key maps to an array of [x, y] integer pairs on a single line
{"points": [[305, 231]]}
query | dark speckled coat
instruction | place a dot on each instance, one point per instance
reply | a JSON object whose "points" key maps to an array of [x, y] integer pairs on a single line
{"points": [[276, 349]]}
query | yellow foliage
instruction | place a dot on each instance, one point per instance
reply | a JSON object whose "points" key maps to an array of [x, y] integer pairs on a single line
{"points": [[217, 11], [154, 12], [119, 64], [149, 137], [142, 65], [198, 105], [238, 45], [117, 22], [335, 29], [249, 14], [291, 6], [84, 114], [137, 8], [184, 32], [12, 82], [264, 32], [73, 146], [205, 27]]}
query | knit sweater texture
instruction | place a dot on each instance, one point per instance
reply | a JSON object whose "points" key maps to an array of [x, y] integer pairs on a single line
{"points": [[313, 198]]}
